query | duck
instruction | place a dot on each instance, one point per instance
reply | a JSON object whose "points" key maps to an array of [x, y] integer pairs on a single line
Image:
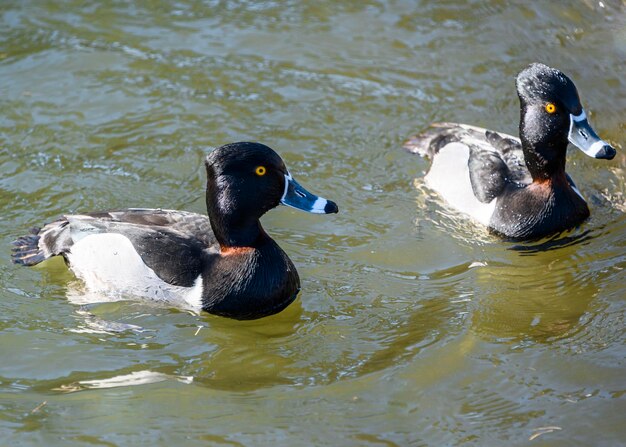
{"points": [[223, 262], [516, 187]]}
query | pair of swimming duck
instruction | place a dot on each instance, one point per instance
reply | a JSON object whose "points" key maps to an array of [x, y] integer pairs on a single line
{"points": [[226, 264]]}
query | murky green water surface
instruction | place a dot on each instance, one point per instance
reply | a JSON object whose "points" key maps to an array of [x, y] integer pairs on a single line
{"points": [[413, 326]]}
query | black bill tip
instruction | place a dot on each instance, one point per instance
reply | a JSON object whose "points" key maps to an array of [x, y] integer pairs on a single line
{"points": [[607, 152], [331, 207]]}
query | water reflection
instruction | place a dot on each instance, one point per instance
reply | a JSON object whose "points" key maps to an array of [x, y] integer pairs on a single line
{"points": [[553, 243], [414, 326], [429, 321], [539, 302]]}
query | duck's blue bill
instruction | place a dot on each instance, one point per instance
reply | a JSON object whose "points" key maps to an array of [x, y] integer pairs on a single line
{"points": [[584, 138], [298, 197]]}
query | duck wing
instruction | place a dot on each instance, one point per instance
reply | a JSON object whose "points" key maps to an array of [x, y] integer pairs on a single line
{"points": [[487, 171], [510, 150], [495, 160], [175, 257], [429, 142], [438, 135], [174, 244], [492, 145], [191, 224]]}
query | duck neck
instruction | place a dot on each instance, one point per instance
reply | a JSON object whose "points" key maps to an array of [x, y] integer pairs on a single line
{"points": [[542, 168], [232, 228], [233, 231], [545, 159]]}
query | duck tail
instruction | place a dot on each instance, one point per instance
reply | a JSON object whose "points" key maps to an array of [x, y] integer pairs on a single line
{"points": [[428, 143], [26, 249], [40, 244]]}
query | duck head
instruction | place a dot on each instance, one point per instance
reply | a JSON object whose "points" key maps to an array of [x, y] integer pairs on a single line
{"points": [[552, 115], [244, 181]]}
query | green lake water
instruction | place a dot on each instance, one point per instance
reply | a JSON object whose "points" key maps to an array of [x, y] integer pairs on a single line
{"points": [[413, 328]]}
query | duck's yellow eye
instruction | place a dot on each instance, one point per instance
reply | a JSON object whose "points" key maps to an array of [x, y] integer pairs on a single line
{"points": [[260, 170], [550, 108]]}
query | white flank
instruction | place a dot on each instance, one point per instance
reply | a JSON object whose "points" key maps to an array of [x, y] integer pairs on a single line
{"points": [[449, 176], [109, 264], [193, 296]]}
